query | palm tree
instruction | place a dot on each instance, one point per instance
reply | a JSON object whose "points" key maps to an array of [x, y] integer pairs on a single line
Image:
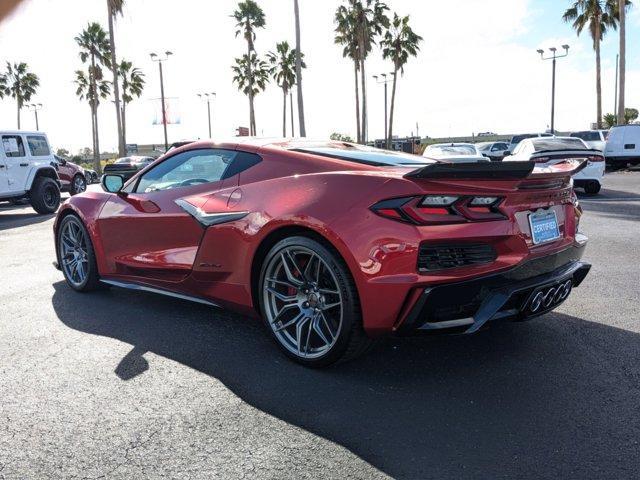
{"points": [[114, 7], [252, 75], [85, 91], [249, 17], [283, 62], [399, 43], [3, 86], [132, 86], [598, 16], [94, 49], [21, 84], [345, 35], [299, 66], [367, 19]]}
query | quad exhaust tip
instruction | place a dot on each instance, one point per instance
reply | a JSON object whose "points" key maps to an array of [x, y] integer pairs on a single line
{"points": [[547, 297]]}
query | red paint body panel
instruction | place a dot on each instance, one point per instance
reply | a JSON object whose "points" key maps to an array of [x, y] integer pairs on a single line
{"points": [[148, 238]]}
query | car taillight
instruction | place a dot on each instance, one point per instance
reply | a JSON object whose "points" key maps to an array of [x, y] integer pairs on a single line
{"points": [[440, 209], [596, 158]]}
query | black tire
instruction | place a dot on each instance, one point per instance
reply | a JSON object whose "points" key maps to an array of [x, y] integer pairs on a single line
{"points": [[351, 340], [592, 188], [92, 280], [81, 181], [44, 195]]}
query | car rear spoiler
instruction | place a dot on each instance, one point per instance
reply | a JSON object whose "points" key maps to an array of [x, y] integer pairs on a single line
{"points": [[487, 170]]}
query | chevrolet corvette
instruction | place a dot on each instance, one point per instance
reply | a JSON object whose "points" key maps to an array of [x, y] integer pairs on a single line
{"points": [[332, 244]]}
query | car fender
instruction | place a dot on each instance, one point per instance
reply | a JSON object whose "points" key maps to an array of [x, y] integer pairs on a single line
{"points": [[43, 170]]}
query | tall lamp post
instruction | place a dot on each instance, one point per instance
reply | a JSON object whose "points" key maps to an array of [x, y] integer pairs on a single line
{"points": [[35, 107], [208, 97], [553, 56], [159, 59], [383, 80]]}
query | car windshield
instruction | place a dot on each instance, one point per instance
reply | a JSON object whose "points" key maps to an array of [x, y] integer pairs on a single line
{"points": [[484, 146], [361, 154], [518, 138], [542, 144], [451, 150], [123, 160]]}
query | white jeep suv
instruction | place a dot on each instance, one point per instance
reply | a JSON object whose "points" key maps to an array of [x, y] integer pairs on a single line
{"points": [[27, 171]]}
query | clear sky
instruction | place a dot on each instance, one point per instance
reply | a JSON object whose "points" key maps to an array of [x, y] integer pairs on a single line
{"points": [[478, 69]]}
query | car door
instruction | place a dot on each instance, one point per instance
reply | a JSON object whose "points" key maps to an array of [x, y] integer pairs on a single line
{"points": [[143, 231], [65, 172], [16, 163]]}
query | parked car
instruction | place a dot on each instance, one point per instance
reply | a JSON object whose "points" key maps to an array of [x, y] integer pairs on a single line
{"points": [[487, 134], [494, 151], [72, 177], [623, 146], [127, 167], [26, 171], [550, 151], [454, 152], [333, 244], [593, 138], [516, 139]]}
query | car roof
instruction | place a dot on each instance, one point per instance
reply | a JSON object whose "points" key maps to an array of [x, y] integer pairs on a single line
{"points": [[21, 132], [453, 144]]}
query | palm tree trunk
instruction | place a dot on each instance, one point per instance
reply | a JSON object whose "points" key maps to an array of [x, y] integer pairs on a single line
{"points": [[284, 112], [364, 101], [598, 81], [252, 113], [301, 125], [393, 104], [124, 124], [96, 155], [293, 130], [358, 133], [623, 61], [93, 134], [94, 103], [116, 86], [18, 98]]}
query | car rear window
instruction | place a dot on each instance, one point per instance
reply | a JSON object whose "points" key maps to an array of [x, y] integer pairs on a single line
{"points": [[361, 154], [543, 144], [518, 138], [452, 150]]}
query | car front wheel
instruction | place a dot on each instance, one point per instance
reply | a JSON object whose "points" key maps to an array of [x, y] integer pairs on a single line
{"points": [[44, 195], [76, 256], [78, 185], [310, 304]]}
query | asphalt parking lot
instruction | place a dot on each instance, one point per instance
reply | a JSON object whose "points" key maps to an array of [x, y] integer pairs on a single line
{"points": [[120, 384]]}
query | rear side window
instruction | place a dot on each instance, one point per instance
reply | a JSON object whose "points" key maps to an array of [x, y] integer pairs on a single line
{"points": [[13, 146], [38, 145]]}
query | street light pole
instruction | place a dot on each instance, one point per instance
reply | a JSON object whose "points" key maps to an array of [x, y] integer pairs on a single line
{"points": [[382, 79], [208, 97], [156, 58], [35, 107], [553, 57], [615, 108]]}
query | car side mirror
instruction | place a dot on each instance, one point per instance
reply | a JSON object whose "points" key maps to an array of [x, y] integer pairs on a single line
{"points": [[112, 183], [507, 153]]}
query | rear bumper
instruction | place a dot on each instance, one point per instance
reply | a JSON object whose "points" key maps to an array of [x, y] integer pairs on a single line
{"points": [[524, 292]]}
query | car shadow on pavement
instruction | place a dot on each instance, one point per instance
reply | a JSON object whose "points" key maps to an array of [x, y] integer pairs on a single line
{"points": [[22, 219], [556, 397]]}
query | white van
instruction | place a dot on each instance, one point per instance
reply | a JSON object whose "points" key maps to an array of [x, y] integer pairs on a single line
{"points": [[623, 146], [26, 170]]}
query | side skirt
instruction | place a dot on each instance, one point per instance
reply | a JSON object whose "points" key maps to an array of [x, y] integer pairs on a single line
{"points": [[145, 288]]}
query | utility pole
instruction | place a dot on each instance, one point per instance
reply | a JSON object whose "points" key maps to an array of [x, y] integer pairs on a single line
{"points": [[383, 80], [208, 97], [160, 60], [34, 107], [553, 57]]}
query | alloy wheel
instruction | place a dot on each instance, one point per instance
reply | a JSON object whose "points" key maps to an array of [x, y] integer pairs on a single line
{"points": [[303, 303], [74, 257], [79, 185]]}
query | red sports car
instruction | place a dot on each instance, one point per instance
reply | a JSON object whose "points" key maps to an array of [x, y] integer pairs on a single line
{"points": [[332, 244]]}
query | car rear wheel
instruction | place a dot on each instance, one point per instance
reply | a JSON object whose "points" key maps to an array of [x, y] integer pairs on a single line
{"points": [[78, 185], [592, 188], [76, 255], [310, 304], [44, 195]]}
